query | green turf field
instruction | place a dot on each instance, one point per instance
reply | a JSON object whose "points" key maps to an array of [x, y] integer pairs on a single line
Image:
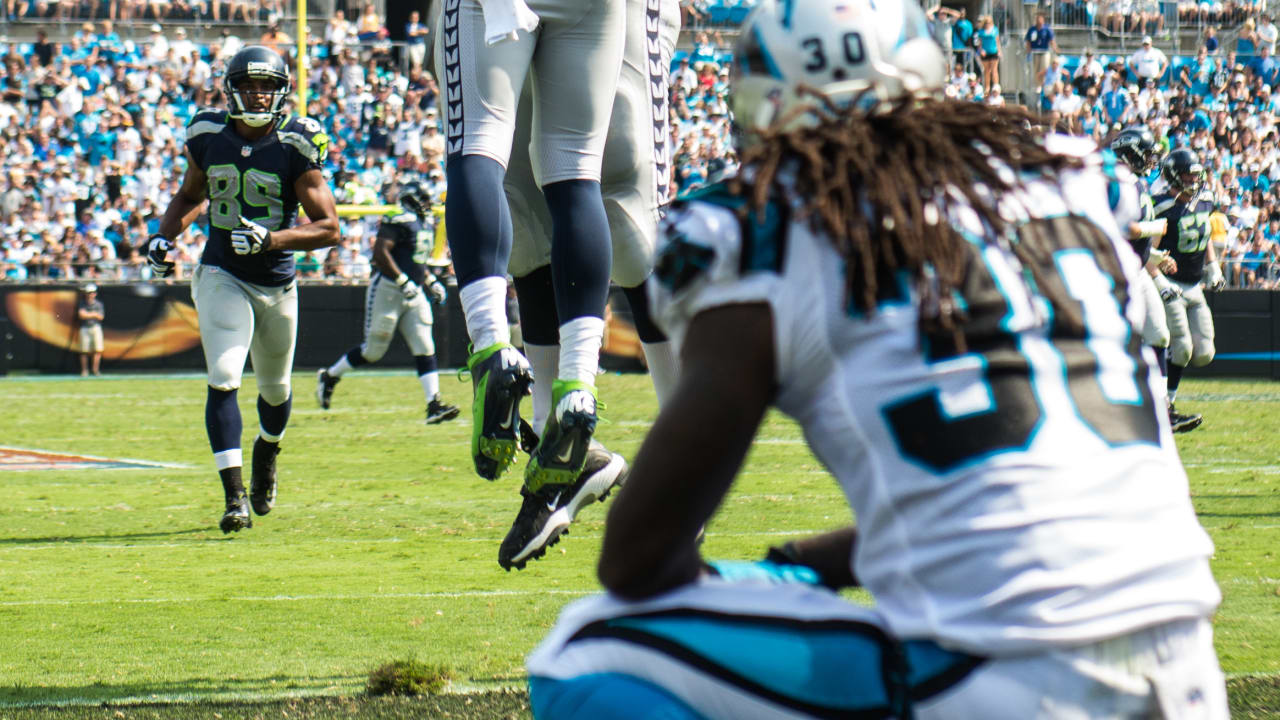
{"points": [[116, 585]]}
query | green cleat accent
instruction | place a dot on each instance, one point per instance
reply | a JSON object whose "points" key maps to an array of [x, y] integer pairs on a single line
{"points": [[500, 376], [562, 451]]}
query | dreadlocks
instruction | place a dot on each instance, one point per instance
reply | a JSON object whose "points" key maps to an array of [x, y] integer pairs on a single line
{"points": [[878, 184]]}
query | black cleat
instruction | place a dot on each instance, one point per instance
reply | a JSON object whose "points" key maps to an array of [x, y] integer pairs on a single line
{"points": [[439, 411], [538, 526], [1180, 423], [602, 472], [236, 518], [325, 383], [262, 484], [500, 378]]}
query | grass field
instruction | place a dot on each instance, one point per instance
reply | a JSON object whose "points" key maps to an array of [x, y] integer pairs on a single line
{"points": [[116, 585]]}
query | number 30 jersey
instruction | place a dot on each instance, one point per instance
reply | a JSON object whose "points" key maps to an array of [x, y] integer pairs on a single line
{"points": [[253, 179], [1015, 491]]}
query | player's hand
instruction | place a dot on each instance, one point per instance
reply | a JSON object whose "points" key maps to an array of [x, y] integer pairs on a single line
{"points": [[1213, 278], [1168, 290], [1168, 266], [408, 287], [250, 238], [158, 248], [438, 292]]}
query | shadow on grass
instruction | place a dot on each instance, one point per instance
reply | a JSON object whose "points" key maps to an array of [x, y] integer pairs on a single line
{"points": [[193, 689], [488, 705], [73, 539]]}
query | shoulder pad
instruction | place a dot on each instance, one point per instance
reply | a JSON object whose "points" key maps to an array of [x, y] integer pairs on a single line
{"points": [[206, 121], [305, 135], [401, 218], [761, 236]]}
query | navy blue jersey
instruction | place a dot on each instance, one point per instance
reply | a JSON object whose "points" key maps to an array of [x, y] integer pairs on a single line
{"points": [[254, 179], [1187, 236], [409, 242], [1142, 245]]}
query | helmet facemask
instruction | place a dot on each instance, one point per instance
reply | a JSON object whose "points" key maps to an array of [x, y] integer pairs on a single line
{"points": [[278, 92]]}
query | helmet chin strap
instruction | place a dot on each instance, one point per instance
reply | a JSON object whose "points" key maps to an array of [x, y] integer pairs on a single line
{"points": [[256, 119]]}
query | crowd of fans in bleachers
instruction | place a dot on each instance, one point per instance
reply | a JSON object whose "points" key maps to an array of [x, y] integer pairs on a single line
{"points": [[91, 131]]}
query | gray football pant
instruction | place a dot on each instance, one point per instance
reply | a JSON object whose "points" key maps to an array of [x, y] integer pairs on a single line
{"points": [[385, 311], [239, 320]]}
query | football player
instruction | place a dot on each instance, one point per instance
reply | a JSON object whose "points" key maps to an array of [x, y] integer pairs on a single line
{"points": [[1136, 147], [487, 50], [402, 280], [635, 185], [254, 164], [941, 297], [1185, 207]]}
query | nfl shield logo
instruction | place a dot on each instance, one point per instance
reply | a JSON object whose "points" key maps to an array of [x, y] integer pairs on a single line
{"points": [[245, 151]]}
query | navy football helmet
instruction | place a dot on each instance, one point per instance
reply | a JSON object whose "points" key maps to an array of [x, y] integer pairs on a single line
{"points": [[256, 62]]}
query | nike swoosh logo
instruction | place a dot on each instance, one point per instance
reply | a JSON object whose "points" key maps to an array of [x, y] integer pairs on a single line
{"points": [[46, 315], [505, 424], [554, 503], [564, 456]]}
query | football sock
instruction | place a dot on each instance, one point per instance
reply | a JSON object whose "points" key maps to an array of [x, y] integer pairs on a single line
{"points": [[581, 252], [539, 322], [478, 218], [1162, 359], [638, 299], [232, 482], [222, 422], [663, 369], [484, 304], [272, 419], [545, 361], [1175, 377], [580, 341], [353, 359], [428, 375]]}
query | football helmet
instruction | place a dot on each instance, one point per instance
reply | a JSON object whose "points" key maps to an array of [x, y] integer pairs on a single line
{"points": [[415, 198], [838, 47], [256, 62], [1137, 148], [1183, 171]]}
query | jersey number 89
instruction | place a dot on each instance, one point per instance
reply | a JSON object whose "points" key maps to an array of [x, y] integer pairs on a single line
{"points": [[227, 187]]}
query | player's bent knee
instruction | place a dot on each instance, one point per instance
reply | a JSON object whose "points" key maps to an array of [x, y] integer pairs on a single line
{"points": [[1180, 353], [373, 350], [275, 393], [1200, 359]]}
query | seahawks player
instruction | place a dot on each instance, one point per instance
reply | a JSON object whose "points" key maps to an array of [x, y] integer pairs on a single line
{"points": [[1186, 209], [395, 301], [254, 165], [635, 184], [941, 297], [1136, 147]]}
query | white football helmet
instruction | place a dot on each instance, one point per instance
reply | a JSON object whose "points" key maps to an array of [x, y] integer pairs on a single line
{"points": [[840, 47]]}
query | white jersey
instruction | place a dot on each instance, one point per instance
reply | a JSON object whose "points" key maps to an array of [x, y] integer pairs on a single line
{"points": [[1021, 493]]}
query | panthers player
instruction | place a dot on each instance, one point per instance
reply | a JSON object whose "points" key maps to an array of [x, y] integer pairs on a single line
{"points": [[487, 50], [1186, 209], [1136, 147], [635, 184], [395, 301], [941, 297], [254, 165]]}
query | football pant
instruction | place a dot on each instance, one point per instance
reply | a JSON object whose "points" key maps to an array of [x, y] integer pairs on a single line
{"points": [[386, 311], [239, 320], [1190, 327], [1155, 328]]}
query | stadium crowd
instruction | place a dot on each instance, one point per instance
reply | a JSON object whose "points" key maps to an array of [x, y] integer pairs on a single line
{"points": [[92, 131]]}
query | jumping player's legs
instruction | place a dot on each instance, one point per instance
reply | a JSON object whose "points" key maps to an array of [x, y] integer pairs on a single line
{"points": [[1200, 320]]}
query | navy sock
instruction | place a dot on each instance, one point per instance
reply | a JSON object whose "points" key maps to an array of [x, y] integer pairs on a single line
{"points": [[581, 251], [1175, 376], [274, 418], [539, 322], [354, 358], [1162, 359], [638, 299], [222, 420], [425, 363], [478, 218]]}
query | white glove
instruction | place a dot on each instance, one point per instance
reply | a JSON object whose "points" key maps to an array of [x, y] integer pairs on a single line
{"points": [[250, 238], [438, 292], [1213, 278], [158, 248], [1168, 291], [407, 286]]}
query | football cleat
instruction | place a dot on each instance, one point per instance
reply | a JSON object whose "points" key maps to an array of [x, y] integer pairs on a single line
{"points": [[562, 451], [1180, 423], [236, 518], [539, 524], [262, 484], [439, 411], [325, 383], [500, 376]]}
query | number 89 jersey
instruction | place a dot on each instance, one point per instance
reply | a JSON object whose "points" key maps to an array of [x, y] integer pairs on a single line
{"points": [[1019, 491], [254, 179]]}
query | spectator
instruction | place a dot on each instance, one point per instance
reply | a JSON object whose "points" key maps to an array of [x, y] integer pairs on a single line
{"points": [[1088, 73], [1211, 40], [369, 27], [1040, 44], [1267, 34], [416, 41], [1149, 62], [1197, 74], [90, 312], [988, 40]]}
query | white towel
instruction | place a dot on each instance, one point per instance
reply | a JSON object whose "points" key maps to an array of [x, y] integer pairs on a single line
{"points": [[504, 19]]}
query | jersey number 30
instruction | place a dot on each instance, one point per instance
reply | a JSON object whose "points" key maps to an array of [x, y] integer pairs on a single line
{"points": [[259, 189], [1028, 354]]}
